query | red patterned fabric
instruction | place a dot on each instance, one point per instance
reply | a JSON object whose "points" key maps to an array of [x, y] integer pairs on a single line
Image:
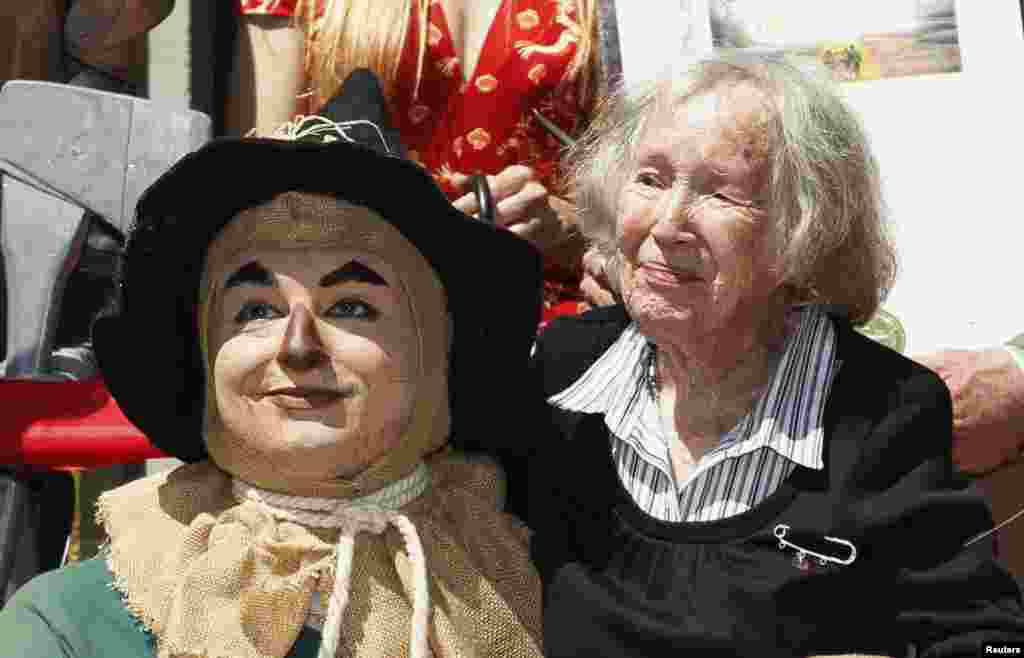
{"points": [[482, 121], [267, 7]]}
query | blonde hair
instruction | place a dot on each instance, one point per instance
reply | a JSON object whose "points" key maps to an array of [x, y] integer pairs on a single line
{"points": [[825, 188], [371, 33]]}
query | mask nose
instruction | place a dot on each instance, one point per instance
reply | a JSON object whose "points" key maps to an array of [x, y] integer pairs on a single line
{"points": [[301, 348]]}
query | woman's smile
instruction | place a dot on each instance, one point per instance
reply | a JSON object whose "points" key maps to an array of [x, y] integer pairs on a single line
{"points": [[659, 274]]}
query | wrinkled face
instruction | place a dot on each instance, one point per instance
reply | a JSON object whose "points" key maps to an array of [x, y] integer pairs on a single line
{"points": [[315, 355], [695, 238]]}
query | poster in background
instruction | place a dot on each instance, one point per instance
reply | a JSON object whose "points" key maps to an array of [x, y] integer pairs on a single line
{"points": [[865, 40]]}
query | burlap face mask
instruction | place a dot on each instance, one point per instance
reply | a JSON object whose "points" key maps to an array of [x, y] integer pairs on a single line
{"points": [[209, 573], [392, 368]]}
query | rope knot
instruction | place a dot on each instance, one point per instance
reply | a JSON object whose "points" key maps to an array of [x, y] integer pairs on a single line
{"points": [[356, 519], [372, 514]]}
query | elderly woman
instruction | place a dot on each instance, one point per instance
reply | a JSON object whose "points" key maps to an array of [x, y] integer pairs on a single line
{"points": [[299, 322], [732, 469]]}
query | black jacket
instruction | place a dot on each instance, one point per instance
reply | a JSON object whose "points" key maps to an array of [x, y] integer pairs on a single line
{"points": [[621, 583]]}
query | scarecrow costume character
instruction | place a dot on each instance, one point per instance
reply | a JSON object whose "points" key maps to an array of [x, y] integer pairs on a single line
{"points": [[300, 323]]}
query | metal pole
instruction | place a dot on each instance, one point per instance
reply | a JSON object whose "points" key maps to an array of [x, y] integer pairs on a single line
{"points": [[16, 565]]}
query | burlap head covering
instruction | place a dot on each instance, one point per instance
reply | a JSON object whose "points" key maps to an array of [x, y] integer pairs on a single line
{"points": [[295, 220], [213, 576]]}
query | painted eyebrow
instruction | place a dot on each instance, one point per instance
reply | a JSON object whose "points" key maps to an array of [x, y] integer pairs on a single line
{"points": [[352, 272], [251, 273]]}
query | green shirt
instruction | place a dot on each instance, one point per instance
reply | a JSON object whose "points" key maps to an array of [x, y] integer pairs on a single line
{"points": [[75, 612]]}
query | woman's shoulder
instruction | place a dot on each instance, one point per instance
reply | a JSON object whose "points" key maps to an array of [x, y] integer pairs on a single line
{"points": [[584, 335], [874, 368], [571, 344], [890, 409]]}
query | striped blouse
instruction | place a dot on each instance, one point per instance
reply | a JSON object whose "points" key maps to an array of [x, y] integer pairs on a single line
{"points": [[782, 431]]}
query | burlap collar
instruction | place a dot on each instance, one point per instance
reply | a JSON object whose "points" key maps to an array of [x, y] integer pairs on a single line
{"points": [[209, 576]]}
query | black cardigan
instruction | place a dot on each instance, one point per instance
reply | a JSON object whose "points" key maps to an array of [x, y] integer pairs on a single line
{"points": [[621, 583]]}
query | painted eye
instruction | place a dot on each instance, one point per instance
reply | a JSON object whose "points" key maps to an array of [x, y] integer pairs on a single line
{"points": [[256, 311], [353, 309]]}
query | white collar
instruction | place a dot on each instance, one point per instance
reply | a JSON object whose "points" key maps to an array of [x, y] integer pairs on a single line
{"points": [[787, 417]]}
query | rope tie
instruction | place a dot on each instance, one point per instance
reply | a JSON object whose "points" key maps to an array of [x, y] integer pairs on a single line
{"points": [[373, 514]]}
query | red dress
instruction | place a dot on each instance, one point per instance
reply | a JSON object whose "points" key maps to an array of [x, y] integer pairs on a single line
{"points": [[482, 122]]}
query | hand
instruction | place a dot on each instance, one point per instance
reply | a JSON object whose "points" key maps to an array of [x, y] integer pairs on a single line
{"points": [[987, 387], [524, 206], [596, 287]]}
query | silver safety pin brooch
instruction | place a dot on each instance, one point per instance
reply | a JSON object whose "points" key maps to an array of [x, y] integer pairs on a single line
{"points": [[802, 553]]}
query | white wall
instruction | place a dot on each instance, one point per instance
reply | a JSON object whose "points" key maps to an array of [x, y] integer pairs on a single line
{"points": [[951, 149], [170, 58], [169, 61]]}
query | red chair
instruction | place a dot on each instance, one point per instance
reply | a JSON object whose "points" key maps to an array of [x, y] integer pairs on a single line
{"points": [[67, 426], [68, 155]]}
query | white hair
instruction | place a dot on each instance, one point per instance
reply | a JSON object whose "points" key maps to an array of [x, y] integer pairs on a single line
{"points": [[824, 185]]}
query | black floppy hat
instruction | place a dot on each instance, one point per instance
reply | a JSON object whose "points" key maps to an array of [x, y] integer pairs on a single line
{"points": [[147, 343]]}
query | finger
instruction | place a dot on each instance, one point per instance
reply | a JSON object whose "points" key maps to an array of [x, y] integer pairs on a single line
{"points": [[526, 229], [974, 462], [510, 181], [459, 180], [530, 200], [597, 266], [467, 203], [543, 233], [594, 293], [594, 262], [534, 231]]}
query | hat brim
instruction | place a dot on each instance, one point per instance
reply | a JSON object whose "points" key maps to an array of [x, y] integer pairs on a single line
{"points": [[147, 345]]}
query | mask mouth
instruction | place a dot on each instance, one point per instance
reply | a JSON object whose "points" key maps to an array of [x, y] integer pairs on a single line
{"points": [[307, 397], [311, 390]]}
